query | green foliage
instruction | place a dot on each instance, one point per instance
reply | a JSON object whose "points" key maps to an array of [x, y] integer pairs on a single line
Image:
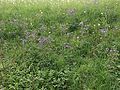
{"points": [[59, 45]]}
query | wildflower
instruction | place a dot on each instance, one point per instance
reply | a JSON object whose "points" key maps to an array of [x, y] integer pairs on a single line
{"points": [[29, 35], [103, 30], [43, 41], [67, 45], [13, 3], [98, 24], [41, 12], [84, 11], [114, 50], [78, 37], [87, 27], [71, 11], [68, 0], [31, 24], [101, 13]]}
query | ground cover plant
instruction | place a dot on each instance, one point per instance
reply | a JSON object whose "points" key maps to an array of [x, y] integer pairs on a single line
{"points": [[60, 44]]}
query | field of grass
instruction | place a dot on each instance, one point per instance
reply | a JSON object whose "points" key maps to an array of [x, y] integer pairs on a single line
{"points": [[60, 44]]}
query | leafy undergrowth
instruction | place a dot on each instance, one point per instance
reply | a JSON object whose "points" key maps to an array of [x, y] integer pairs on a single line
{"points": [[60, 45]]}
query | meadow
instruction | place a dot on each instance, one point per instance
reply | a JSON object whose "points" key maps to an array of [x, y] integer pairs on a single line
{"points": [[59, 44]]}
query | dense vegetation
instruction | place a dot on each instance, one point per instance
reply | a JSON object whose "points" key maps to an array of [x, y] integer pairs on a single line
{"points": [[60, 45]]}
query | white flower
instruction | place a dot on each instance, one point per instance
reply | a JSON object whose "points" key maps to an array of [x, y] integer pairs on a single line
{"points": [[68, 0], [84, 11], [101, 13], [31, 23], [100, 37], [98, 24], [78, 37]]}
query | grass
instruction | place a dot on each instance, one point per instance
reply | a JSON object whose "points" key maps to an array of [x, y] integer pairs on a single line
{"points": [[59, 45]]}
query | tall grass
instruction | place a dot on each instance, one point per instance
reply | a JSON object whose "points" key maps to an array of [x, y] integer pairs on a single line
{"points": [[60, 44]]}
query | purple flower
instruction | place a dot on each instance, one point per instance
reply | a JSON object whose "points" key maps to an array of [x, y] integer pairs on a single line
{"points": [[71, 11], [104, 30], [67, 45], [44, 41]]}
